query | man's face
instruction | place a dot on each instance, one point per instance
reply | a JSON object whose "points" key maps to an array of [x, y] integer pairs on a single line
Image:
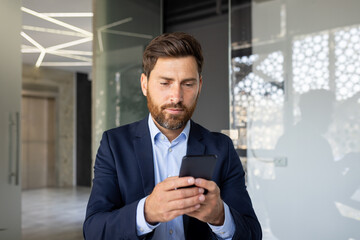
{"points": [[172, 91]]}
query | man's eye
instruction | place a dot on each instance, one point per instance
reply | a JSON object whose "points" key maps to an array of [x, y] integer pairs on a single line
{"points": [[164, 83], [189, 84]]}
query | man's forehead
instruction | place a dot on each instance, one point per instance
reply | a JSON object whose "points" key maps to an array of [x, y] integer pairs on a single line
{"points": [[168, 66], [187, 63], [163, 59]]}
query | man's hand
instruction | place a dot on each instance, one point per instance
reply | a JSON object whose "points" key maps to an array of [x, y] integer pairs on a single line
{"points": [[212, 208], [167, 201]]}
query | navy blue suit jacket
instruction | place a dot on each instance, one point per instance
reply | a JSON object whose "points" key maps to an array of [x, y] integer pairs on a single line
{"points": [[124, 174]]}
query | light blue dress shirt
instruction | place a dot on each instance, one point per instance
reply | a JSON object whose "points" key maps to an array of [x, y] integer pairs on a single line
{"points": [[167, 160]]}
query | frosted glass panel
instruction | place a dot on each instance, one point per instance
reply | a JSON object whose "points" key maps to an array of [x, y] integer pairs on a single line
{"points": [[122, 29], [297, 91], [10, 105]]}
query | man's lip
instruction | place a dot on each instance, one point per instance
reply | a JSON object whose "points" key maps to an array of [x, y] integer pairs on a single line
{"points": [[174, 110]]}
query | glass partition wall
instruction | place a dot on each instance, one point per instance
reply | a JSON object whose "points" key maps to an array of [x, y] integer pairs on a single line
{"points": [[295, 103], [122, 29]]}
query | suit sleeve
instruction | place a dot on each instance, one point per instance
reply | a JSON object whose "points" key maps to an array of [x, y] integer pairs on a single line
{"points": [[235, 195], [107, 217]]}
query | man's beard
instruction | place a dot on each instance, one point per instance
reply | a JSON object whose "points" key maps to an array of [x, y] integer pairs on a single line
{"points": [[172, 122]]}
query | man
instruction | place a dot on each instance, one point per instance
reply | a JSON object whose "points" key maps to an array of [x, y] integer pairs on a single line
{"points": [[136, 192]]}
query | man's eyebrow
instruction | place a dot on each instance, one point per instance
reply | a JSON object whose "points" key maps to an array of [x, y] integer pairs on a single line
{"points": [[190, 79], [166, 78], [171, 79]]}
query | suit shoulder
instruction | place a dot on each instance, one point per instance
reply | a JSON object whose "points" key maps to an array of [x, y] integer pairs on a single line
{"points": [[127, 128], [207, 134], [220, 137]]}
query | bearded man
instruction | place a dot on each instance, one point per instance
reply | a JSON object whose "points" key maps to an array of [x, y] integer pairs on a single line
{"points": [[137, 193]]}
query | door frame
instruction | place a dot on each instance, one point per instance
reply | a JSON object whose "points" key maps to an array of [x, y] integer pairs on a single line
{"points": [[33, 90]]}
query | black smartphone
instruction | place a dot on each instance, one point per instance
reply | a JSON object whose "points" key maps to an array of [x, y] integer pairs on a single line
{"points": [[198, 166]]}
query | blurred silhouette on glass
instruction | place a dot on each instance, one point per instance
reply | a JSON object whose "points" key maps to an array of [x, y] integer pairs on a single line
{"points": [[314, 186]]}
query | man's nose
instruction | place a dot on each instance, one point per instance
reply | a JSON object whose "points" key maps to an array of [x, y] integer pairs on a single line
{"points": [[176, 94]]}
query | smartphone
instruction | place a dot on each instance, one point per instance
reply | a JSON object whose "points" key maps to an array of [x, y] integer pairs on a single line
{"points": [[198, 166]]}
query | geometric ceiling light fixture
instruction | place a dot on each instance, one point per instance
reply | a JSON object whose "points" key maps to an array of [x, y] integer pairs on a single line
{"points": [[53, 50], [72, 56], [66, 64], [36, 44], [60, 23], [31, 49], [58, 49], [52, 31], [64, 15], [69, 44]]}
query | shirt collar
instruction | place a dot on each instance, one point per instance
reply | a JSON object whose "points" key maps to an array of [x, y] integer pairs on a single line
{"points": [[154, 130]]}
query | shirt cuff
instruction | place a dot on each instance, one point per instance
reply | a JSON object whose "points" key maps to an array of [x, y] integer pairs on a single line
{"points": [[142, 227], [227, 230]]}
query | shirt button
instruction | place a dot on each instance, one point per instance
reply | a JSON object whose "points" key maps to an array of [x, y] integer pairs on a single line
{"points": [[141, 230], [171, 231], [170, 149]]}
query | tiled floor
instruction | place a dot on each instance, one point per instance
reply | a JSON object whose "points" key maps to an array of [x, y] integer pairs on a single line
{"points": [[54, 213]]}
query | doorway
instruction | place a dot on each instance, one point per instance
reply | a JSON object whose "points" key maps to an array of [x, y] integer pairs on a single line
{"points": [[38, 124]]}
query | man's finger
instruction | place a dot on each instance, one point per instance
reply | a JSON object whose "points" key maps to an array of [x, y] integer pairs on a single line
{"points": [[187, 210], [175, 182], [186, 192], [186, 202], [206, 184]]}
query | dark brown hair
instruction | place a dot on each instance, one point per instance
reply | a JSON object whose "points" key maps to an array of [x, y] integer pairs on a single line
{"points": [[176, 44]]}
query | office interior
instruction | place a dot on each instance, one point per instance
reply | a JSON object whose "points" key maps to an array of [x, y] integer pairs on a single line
{"points": [[281, 79]]}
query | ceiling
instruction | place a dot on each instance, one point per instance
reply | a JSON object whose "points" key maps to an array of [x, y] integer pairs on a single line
{"points": [[183, 11], [65, 42], [58, 41]]}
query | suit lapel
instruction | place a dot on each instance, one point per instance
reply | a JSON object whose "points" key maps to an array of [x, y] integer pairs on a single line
{"points": [[195, 145], [144, 155]]}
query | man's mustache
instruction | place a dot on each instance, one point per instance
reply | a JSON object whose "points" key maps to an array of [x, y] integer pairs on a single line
{"points": [[177, 106]]}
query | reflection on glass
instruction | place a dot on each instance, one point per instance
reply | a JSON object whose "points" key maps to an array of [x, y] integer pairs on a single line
{"points": [[299, 98], [272, 66], [122, 29], [257, 91], [348, 212], [310, 62], [347, 64], [310, 169]]}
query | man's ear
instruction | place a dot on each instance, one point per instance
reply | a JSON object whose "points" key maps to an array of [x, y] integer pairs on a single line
{"points": [[144, 81], [200, 84]]}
